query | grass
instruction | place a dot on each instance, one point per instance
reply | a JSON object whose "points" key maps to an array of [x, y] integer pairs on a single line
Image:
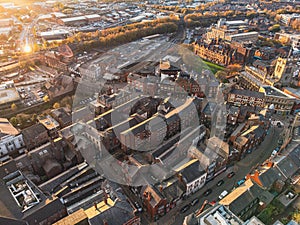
{"points": [[213, 67]]}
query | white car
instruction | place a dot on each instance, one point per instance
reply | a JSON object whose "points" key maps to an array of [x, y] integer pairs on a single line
{"points": [[277, 123], [223, 194]]}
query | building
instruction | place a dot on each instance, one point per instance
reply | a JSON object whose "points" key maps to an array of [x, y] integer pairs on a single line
{"points": [[219, 214], [35, 136], [160, 199], [63, 117], [54, 34], [245, 200], [287, 19], [161, 126], [246, 97], [253, 221], [275, 99], [50, 124], [224, 53], [247, 136], [193, 176], [8, 95], [285, 69], [10, 145], [243, 37], [53, 60], [11, 141], [22, 200], [6, 22]]}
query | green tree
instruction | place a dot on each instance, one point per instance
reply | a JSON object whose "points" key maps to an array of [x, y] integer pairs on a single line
{"points": [[56, 105], [14, 121], [13, 107]]}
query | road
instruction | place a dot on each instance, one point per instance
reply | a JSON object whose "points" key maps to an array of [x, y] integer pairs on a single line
{"points": [[240, 168]]}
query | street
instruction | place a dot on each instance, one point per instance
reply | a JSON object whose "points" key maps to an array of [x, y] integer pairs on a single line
{"points": [[240, 168]]}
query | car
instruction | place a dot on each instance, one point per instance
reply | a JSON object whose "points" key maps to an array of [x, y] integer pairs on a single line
{"points": [[240, 182], [194, 202], [223, 194], [138, 207], [220, 182], [231, 174], [184, 209], [207, 192], [212, 203]]}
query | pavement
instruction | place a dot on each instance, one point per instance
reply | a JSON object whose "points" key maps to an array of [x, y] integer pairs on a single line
{"points": [[241, 169]]}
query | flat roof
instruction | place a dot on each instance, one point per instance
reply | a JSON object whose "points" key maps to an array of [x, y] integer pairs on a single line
{"points": [[271, 91], [9, 95], [7, 128], [71, 19], [54, 32], [236, 193], [244, 34]]}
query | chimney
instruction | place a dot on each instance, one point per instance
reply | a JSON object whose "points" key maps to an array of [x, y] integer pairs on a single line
{"points": [[95, 205], [105, 199], [160, 188], [149, 196]]}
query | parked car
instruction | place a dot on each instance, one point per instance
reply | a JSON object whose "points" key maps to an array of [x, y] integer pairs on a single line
{"points": [[207, 192], [194, 202], [223, 194], [231, 174], [138, 207], [212, 203], [220, 182], [184, 209], [240, 182]]}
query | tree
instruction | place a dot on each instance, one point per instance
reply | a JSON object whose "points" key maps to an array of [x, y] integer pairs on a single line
{"points": [[14, 121], [13, 107], [275, 28], [46, 98], [56, 105]]}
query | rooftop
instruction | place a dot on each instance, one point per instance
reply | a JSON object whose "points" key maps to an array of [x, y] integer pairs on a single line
{"points": [[218, 215], [48, 122], [272, 91], [8, 93], [7, 128]]}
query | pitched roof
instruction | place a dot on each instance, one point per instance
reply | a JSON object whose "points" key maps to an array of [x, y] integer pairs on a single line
{"points": [[192, 172], [33, 131], [287, 167], [7, 128], [247, 93], [242, 196]]}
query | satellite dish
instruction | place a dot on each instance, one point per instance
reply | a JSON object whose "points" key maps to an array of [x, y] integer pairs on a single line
{"points": [[272, 106]]}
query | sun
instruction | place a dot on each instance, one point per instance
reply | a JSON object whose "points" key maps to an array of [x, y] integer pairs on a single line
{"points": [[27, 48]]}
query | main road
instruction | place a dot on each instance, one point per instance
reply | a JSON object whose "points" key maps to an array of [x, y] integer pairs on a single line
{"points": [[240, 168]]}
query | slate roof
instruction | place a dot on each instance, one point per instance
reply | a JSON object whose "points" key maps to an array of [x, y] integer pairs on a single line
{"points": [[33, 131], [269, 177], [287, 167], [255, 94], [192, 172], [120, 213], [294, 155]]}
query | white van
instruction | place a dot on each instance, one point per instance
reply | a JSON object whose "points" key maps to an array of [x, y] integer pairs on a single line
{"points": [[223, 194]]}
